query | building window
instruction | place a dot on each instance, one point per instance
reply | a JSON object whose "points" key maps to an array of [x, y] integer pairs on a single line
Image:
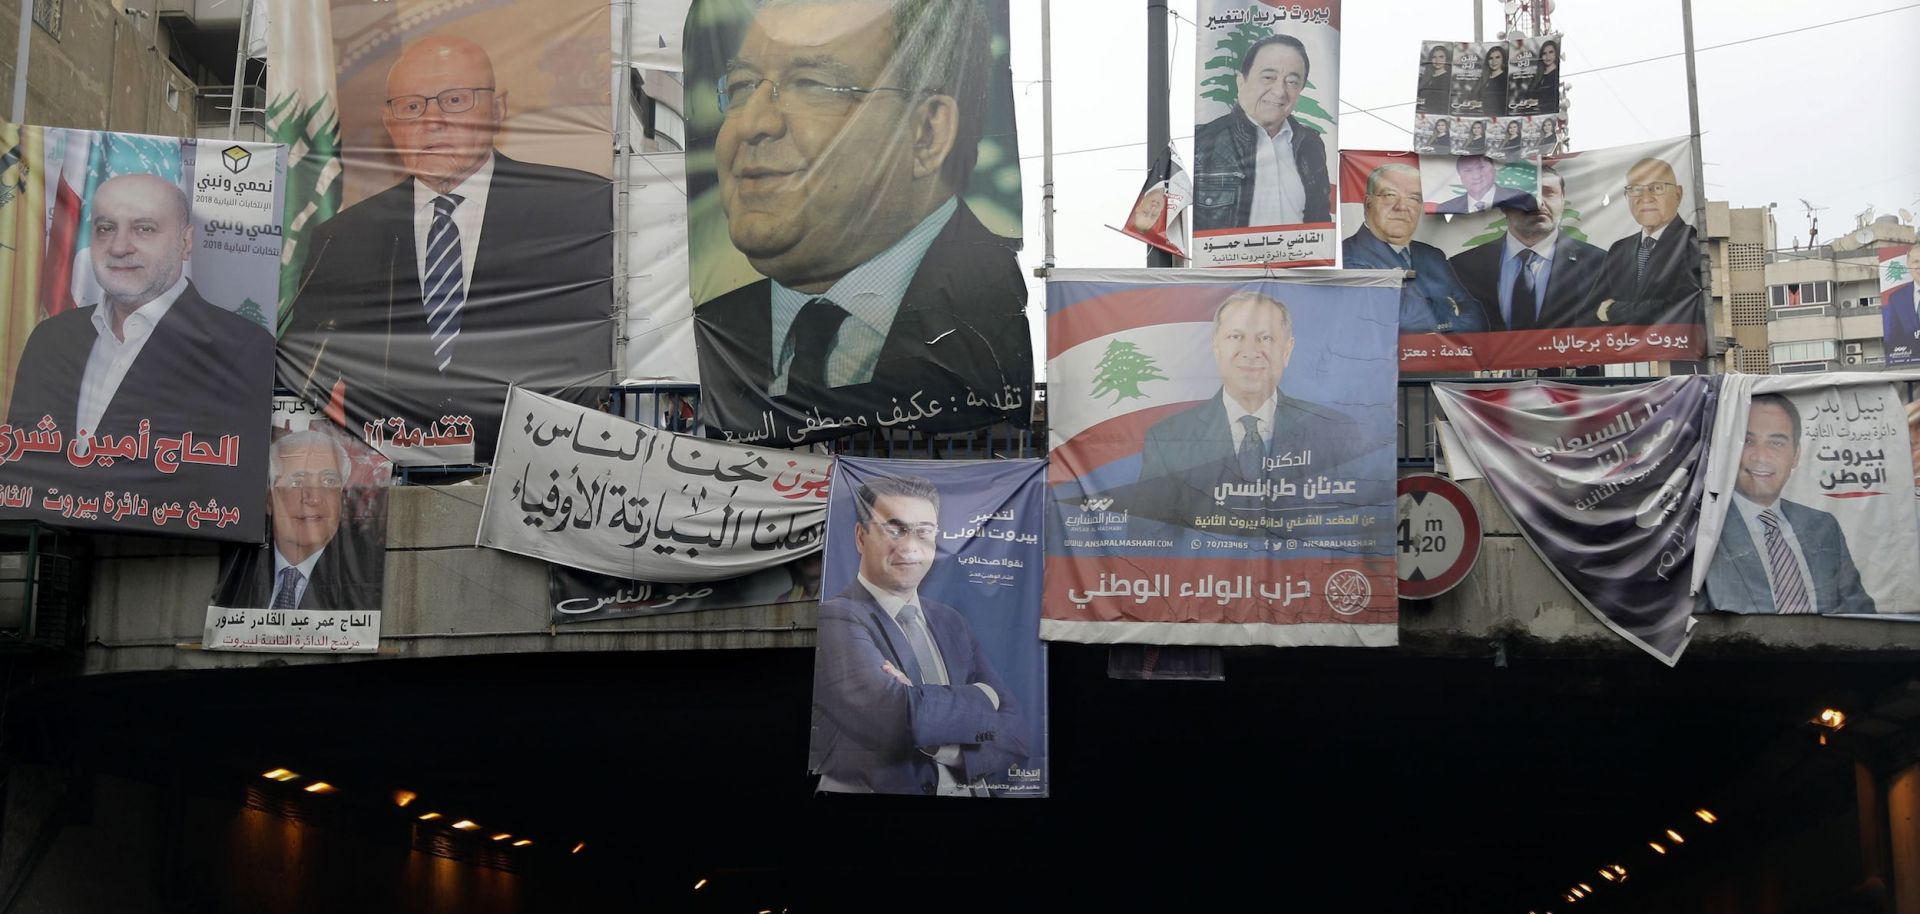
{"points": [[1793, 295], [47, 14], [1809, 351]]}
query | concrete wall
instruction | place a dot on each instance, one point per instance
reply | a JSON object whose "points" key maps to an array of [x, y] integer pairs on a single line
{"points": [[106, 70], [446, 597]]}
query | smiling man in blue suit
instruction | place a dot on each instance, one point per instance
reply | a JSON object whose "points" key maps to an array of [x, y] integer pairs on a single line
{"points": [[1434, 301]]}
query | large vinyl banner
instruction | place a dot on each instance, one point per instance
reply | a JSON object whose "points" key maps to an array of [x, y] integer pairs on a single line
{"points": [[854, 208], [579, 487], [930, 678], [452, 213], [1266, 134], [1222, 467], [1811, 499], [1600, 265], [1898, 280], [317, 584], [1604, 483], [140, 276]]}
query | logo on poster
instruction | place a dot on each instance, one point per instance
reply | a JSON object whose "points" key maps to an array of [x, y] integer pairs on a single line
{"points": [[236, 158], [1348, 591]]}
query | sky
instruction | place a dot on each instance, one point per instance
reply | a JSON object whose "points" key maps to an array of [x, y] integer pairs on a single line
{"points": [[1826, 114]]}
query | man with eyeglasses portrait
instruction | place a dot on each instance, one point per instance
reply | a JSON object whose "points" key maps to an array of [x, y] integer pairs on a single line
{"points": [[1434, 300], [905, 699], [1653, 275], [849, 133], [315, 561], [475, 272]]}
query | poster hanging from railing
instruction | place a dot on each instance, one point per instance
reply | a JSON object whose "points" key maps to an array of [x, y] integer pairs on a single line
{"points": [[1222, 464], [1266, 133], [141, 274], [930, 678]]}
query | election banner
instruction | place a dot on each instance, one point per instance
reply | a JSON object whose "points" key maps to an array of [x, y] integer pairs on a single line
{"points": [[853, 215], [142, 273], [1601, 265], [1268, 80], [1900, 320], [1159, 214], [929, 675], [660, 344], [1222, 463], [1810, 499], [593, 491], [317, 584], [1489, 98], [1604, 483], [583, 596], [452, 211]]}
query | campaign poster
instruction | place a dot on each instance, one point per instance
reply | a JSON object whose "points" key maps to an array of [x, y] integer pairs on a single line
{"points": [[583, 488], [929, 675], [1604, 483], [1159, 214], [1266, 133], [317, 584], [585, 596], [1810, 499], [1222, 465], [451, 212], [1898, 301], [1489, 98], [853, 215], [141, 273], [1602, 265]]}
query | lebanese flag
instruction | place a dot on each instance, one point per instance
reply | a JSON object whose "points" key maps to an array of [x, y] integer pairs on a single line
{"points": [[63, 229]]}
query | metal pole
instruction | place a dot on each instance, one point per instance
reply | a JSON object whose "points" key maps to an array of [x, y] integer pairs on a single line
{"points": [[1716, 346], [21, 51], [1479, 25], [1158, 132], [622, 188], [239, 70], [1046, 129]]}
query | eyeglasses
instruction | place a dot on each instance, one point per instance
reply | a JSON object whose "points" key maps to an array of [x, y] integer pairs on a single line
{"points": [[452, 101], [326, 481], [798, 95], [1656, 188], [1394, 199], [896, 530]]}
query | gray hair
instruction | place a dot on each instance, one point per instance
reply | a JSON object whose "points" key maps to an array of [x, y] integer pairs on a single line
{"points": [[310, 438], [1391, 168], [1239, 298]]}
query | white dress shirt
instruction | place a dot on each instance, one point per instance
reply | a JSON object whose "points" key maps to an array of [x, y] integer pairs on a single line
{"points": [[1279, 197], [468, 217], [112, 356]]}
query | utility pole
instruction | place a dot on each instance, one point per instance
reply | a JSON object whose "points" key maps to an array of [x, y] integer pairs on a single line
{"points": [[21, 51], [1158, 131]]}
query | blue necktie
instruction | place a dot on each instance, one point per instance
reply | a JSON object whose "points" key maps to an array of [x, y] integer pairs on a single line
{"points": [[1251, 447], [917, 639], [286, 595], [443, 290], [1522, 293]]}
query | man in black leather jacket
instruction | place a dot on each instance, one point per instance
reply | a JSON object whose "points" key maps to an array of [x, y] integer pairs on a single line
{"points": [[1232, 188]]}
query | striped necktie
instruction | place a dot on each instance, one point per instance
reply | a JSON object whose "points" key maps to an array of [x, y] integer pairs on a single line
{"points": [[286, 595], [1789, 588], [443, 289]]}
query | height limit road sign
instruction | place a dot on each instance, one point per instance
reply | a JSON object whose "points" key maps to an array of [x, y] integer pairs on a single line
{"points": [[1438, 536]]}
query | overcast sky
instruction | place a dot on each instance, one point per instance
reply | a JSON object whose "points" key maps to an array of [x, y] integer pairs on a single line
{"points": [[1830, 114]]}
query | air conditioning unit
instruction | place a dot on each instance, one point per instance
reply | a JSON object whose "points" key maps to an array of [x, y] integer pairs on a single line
{"points": [[1853, 359], [1853, 349]]}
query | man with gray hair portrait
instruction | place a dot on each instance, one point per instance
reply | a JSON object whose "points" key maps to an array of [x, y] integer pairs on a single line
{"points": [[849, 133], [312, 562]]}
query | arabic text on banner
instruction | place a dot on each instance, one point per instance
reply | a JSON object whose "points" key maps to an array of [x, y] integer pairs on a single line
{"points": [[453, 213], [1222, 469], [929, 676], [1601, 266], [1605, 483], [597, 492], [174, 442], [583, 596], [852, 254], [1265, 167], [1810, 499]]}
